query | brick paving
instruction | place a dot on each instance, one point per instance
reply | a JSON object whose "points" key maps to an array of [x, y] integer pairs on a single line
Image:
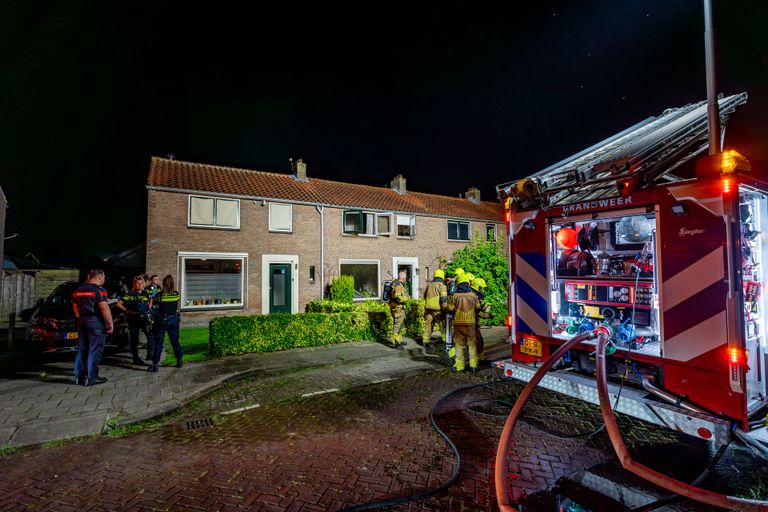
{"points": [[325, 452], [367, 441]]}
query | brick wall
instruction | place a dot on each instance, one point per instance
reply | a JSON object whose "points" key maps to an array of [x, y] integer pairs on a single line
{"points": [[168, 234]]}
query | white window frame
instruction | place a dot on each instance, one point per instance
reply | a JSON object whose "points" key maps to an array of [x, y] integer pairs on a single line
{"points": [[412, 226], [243, 257], [469, 230], [495, 231], [290, 216], [380, 215], [216, 200], [378, 275], [362, 213]]}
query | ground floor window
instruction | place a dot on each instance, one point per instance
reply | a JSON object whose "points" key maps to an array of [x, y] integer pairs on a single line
{"points": [[212, 281], [366, 275]]}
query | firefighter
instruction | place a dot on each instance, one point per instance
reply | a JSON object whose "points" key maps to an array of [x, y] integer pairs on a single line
{"points": [[94, 322], [478, 286], [435, 298], [451, 285], [137, 306], [464, 305], [397, 299]]}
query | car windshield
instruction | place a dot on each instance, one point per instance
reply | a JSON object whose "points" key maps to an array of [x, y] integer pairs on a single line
{"points": [[62, 295]]}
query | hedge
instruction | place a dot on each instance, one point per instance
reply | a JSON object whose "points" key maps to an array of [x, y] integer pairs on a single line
{"points": [[342, 289], [414, 318], [329, 306], [378, 314], [231, 335]]}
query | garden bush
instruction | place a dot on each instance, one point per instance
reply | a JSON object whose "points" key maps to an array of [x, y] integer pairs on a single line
{"points": [[414, 318], [486, 259], [329, 306], [230, 335], [342, 289], [379, 317]]}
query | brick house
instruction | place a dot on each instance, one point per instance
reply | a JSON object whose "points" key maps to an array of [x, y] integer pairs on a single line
{"points": [[243, 241]]}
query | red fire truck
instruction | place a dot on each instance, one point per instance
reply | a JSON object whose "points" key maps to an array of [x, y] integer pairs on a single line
{"points": [[666, 250]]}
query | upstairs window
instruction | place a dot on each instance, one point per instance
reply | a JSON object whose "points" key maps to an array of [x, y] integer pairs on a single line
{"points": [[280, 217], [458, 231], [366, 223], [406, 226], [214, 212], [490, 232]]}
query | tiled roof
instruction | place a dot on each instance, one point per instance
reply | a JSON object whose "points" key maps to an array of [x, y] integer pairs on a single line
{"points": [[178, 175]]}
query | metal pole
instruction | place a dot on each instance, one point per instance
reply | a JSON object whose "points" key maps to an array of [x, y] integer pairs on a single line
{"points": [[713, 110]]}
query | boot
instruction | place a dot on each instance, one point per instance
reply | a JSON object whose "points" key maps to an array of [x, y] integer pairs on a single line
{"points": [[152, 368], [179, 364]]}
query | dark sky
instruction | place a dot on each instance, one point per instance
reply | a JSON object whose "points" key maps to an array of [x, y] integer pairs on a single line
{"points": [[451, 94]]}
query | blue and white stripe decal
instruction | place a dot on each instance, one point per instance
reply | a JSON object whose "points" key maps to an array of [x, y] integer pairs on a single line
{"points": [[532, 290]]}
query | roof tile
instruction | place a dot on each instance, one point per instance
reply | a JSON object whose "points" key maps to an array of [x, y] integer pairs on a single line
{"points": [[180, 175]]}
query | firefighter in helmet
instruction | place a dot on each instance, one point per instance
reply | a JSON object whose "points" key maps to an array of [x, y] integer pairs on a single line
{"points": [[435, 298], [464, 305], [397, 300], [478, 286]]}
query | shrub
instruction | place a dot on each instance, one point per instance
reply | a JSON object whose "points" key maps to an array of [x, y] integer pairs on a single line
{"points": [[414, 318], [342, 289], [232, 335], [486, 259], [329, 306], [379, 317]]}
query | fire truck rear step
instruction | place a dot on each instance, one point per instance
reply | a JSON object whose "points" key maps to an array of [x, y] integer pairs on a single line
{"points": [[633, 402]]}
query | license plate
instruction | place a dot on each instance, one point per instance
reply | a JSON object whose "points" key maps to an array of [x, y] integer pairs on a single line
{"points": [[531, 347], [71, 335]]}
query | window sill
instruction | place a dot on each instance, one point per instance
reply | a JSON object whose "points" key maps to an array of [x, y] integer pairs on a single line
{"points": [[405, 237], [212, 307], [202, 226], [458, 240], [288, 231]]}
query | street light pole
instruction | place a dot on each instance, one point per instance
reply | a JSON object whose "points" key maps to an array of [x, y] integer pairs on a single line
{"points": [[713, 110]]}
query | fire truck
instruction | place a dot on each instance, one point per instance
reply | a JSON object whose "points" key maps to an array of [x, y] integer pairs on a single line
{"points": [[662, 249]]}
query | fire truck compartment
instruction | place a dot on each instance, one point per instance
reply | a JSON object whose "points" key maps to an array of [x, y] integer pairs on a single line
{"points": [[602, 272]]}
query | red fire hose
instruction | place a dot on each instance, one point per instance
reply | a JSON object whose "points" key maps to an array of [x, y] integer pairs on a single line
{"points": [[502, 490], [675, 486]]}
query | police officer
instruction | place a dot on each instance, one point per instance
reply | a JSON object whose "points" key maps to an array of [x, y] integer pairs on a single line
{"points": [[478, 286], [137, 305], [435, 299], [94, 322], [464, 306], [397, 300], [153, 287], [167, 302]]}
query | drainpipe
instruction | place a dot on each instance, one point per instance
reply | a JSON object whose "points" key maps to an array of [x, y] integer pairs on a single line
{"points": [[322, 252]]}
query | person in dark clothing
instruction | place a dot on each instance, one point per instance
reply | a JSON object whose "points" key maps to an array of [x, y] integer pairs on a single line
{"points": [[167, 302], [137, 306], [94, 322]]}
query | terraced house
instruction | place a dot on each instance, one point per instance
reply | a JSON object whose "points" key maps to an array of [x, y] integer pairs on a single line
{"points": [[244, 241]]}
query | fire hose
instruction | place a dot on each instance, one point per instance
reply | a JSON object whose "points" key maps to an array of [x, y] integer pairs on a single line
{"points": [[617, 441]]}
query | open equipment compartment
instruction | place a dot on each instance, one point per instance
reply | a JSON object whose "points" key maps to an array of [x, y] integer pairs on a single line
{"points": [[602, 272]]}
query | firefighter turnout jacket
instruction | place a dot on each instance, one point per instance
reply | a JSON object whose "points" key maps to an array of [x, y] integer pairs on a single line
{"points": [[435, 295], [464, 305]]}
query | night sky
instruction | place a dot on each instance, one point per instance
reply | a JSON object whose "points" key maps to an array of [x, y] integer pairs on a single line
{"points": [[450, 94]]}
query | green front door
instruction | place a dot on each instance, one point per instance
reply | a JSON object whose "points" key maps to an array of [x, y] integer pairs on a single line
{"points": [[279, 288]]}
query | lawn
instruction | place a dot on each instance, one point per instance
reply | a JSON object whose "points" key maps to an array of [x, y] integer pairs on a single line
{"points": [[194, 343]]}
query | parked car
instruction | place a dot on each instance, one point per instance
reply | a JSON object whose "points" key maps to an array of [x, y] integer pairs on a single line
{"points": [[51, 328]]}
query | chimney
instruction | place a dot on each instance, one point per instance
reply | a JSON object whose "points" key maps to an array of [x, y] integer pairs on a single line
{"points": [[473, 194], [398, 184], [300, 170]]}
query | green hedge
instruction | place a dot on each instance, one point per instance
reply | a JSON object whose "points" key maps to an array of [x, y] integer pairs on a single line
{"points": [[329, 306], [342, 289], [414, 318], [231, 335]]}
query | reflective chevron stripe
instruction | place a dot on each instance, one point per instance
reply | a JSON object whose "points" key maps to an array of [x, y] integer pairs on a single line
{"points": [[532, 290], [694, 308]]}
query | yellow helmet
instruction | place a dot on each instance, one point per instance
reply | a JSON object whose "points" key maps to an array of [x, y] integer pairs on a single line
{"points": [[478, 284], [458, 272], [470, 276], [440, 273], [463, 278]]}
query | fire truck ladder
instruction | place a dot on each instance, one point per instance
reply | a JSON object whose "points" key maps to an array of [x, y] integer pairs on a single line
{"points": [[642, 155]]}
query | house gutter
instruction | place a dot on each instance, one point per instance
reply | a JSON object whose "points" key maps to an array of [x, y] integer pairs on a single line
{"points": [[320, 210]]}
